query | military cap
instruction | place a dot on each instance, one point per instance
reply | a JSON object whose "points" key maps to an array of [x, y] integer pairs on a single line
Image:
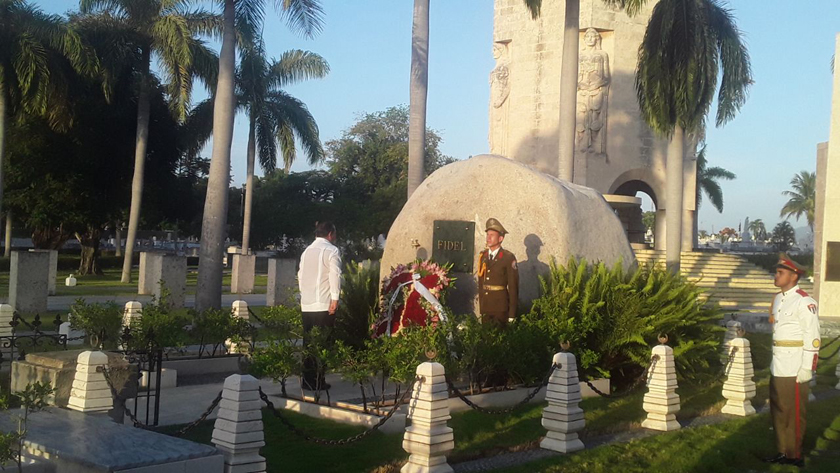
{"points": [[493, 224], [786, 263]]}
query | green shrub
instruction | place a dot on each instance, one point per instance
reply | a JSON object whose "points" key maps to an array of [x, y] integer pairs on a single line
{"points": [[358, 305], [211, 327], [159, 326], [102, 323], [613, 317]]}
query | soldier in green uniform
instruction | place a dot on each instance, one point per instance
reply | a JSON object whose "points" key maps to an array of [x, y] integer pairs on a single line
{"points": [[498, 278]]}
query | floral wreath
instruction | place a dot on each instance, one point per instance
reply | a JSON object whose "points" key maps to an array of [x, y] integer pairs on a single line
{"points": [[400, 305]]}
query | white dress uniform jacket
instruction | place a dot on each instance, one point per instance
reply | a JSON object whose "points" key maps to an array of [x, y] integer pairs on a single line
{"points": [[796, 333], [319, 276]]}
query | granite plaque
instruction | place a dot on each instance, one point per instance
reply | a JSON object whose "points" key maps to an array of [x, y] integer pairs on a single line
{"points": [[453, 241]]}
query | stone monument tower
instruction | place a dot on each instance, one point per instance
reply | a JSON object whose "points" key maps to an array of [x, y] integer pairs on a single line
{"points": [[616, 153]]}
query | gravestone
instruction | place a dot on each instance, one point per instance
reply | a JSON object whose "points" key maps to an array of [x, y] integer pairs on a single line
{"points": [[28, 286], [53, 269], [282, 281], [242, 274], [171, 269]]}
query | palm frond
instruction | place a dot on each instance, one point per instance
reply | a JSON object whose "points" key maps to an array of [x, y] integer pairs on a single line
{"points": [[294, 113], [303, 16], [296, 65]]}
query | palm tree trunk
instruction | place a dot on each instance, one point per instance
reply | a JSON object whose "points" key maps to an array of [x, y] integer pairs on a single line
{"points": [[417, 95], [249, 185], [674, 199], [139, 166], [118, 238], [568, 91], [7, 251], [209, 290], [4, 120]]}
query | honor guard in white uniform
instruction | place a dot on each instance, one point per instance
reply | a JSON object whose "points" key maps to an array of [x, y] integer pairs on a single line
{"points": [[796, 345]]}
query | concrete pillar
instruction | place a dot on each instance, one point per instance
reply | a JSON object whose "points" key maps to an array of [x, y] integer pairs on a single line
{"points": [[659, 231], [242, 274], [428, 439], [149, 268], [562, 417], [281, 281], [7, 313], [739, 387], [732, 328], [239, 309], [661, 401], [53, 274], [28, 286], [837, 373], [829, 281], [90, 391], [171, 269], [238, 431], [131, 313]]}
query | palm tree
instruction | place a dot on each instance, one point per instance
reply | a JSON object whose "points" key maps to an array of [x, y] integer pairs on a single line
{"points": [[758, 230], [165, 30], [275, 116], [418, 92], [569, 77], [707, 181], [803, 197], [302, 15], [38, 55], [685, 45]]}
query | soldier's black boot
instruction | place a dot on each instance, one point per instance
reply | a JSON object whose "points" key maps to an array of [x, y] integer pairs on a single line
{"points": [[780, 458]]}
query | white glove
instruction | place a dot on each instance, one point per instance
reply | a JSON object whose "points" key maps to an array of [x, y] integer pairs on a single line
{"points": [[804, 376]]}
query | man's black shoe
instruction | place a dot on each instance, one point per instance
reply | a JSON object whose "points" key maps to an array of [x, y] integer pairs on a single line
{"points": [[780, 459], [797, 462]]}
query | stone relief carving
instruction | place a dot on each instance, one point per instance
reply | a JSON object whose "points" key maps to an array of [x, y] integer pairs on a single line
{"points": [[499, 93], [593, 91]]}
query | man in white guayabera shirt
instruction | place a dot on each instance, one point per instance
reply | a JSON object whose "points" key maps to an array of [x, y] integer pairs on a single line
{"points": [[319, 279]]}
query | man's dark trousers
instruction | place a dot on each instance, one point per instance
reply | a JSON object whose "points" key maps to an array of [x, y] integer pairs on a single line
{"points": [[325, 321]]}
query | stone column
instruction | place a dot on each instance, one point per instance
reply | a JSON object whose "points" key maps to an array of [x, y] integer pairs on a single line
{"points": [[239, 309], [562, 417], [428, 439], [732, 328], [739, 387], [131, 313], [90, 391], [829, 277], [659, 231], [242, 274], [281, 281], [661, 401], [173, 273], [53, 254], [238, 431], [28, 286]]}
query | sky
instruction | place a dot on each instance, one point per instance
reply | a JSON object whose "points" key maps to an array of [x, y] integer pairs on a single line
{"points": [[367, 44]]}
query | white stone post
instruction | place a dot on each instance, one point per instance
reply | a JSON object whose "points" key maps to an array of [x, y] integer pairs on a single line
{"points": [[240, 311], [732, 328], [661, 402], [428, 439], [837, 373], [739, 387], [562, 417], [132, 313], [238, 432], [7, 313], [90, 391], [66, 330]]}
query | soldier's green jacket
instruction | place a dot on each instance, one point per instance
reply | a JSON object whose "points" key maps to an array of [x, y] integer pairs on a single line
{"points": [[492, 274]]}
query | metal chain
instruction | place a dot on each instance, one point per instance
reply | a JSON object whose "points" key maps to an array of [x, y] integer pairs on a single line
{"points": [[643, 377], [138, 424], [344, 441], [254, 315], [507, 410], [835, 351]]}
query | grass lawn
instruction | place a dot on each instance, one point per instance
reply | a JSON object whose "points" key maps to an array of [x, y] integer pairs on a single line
{"points": [[109, 284]]}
